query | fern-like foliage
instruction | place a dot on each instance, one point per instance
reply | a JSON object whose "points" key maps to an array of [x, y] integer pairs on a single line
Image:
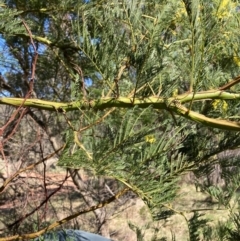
{"points": [[195, 224], [141, 232], [139, 49], [143, 156], [145, 48], [10, 23]]}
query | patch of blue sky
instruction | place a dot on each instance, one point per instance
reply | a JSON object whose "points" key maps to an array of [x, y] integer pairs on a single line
{"points": [[7, 62], [93, 41], [88, 81]]}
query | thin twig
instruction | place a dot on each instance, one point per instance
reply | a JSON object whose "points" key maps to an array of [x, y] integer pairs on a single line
{"points": [[235, 81], [67, 219], [17, 222], [5, 184], [34, 63]]}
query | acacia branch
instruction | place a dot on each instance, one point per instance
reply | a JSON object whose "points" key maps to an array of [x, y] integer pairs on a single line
{"points": [[121, 102], [174, 104]]}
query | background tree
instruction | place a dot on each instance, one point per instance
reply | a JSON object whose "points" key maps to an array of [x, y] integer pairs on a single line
{"points": [[137, 92]]}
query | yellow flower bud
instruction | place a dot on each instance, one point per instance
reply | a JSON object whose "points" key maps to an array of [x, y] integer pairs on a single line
{"points": [[150, 139], [236, 60], [175, 92]]}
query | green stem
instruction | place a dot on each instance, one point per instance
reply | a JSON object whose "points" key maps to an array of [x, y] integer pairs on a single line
{"points": [[173, 104]]}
